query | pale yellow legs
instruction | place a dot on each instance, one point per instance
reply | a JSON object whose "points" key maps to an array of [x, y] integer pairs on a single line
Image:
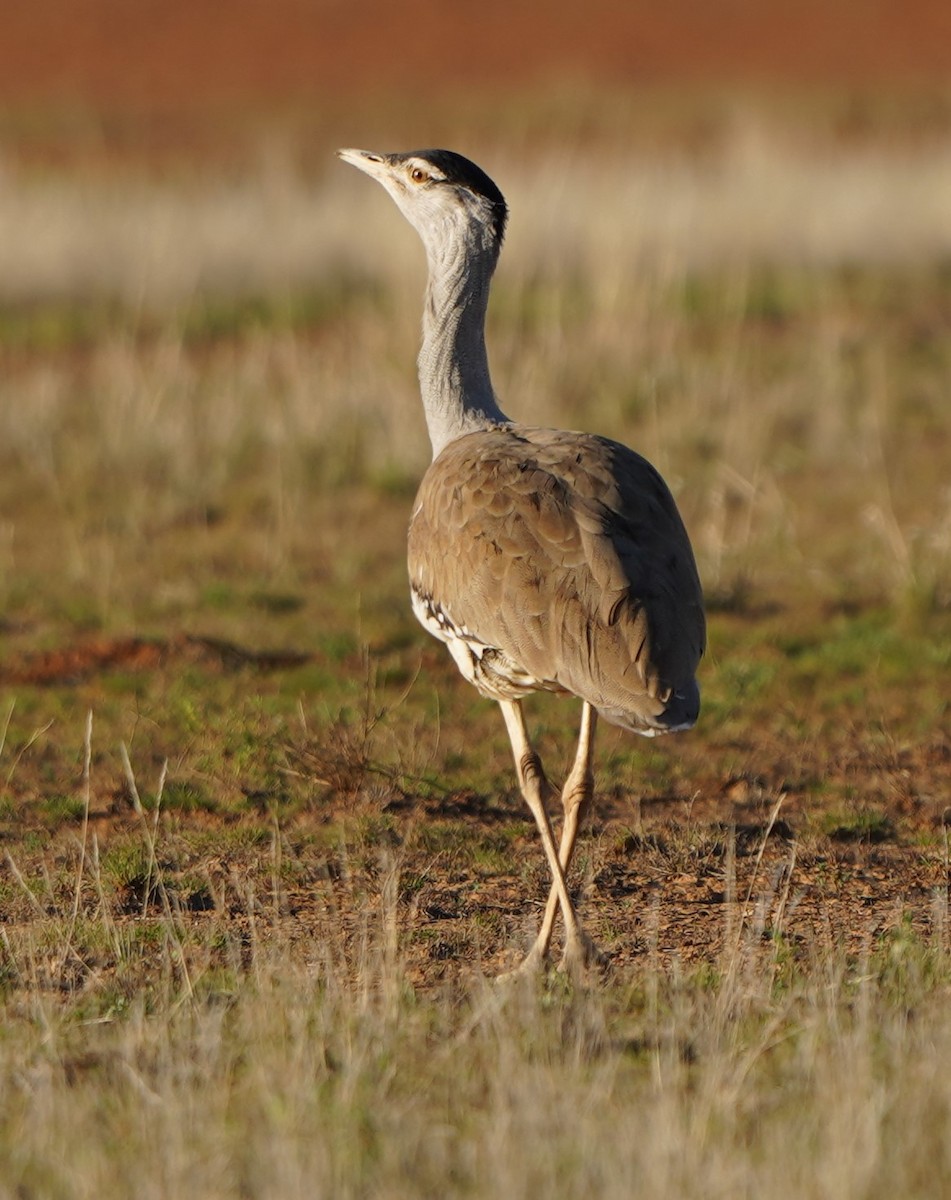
{"points": [[575, 801], [576, 798]]}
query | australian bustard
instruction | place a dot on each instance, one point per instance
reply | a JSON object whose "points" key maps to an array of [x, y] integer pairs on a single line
{"points": [[545, 560]]}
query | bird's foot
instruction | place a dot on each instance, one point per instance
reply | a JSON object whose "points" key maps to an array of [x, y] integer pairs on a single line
{"points": [[583, 957], [530, 966]]}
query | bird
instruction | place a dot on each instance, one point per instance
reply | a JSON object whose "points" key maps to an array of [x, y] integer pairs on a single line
{"points": [[546, 560]]}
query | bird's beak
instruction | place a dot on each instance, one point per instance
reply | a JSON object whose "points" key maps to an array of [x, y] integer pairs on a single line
{"points": [[368, 161]]}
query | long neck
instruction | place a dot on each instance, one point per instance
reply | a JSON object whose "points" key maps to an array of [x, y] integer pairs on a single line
{"points": [[453, 367]]}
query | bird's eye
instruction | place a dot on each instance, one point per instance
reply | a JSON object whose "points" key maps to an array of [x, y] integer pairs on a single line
{"points": [[418, 175]]}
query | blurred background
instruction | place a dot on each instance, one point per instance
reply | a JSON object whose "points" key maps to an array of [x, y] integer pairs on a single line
{"points": [[248, 99], [116, 61], [730, 245]]}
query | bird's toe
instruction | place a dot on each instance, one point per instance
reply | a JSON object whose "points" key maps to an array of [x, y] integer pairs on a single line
{"points": [[531, 965]]}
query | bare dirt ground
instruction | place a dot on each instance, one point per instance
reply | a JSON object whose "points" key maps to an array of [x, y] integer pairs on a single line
{"points": [[669, 875]]}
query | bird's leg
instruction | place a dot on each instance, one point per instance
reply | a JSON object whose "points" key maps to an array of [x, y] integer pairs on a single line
{"points": [[534, 786], [576, 798]]}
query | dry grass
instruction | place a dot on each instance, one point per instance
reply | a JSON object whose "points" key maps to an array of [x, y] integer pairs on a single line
{"points": [[228, 1057], [750, 191], [761, 317], [246, 954]]}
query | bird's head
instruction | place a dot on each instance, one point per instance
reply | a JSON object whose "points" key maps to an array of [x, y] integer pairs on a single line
{"points": [[443, 196]]}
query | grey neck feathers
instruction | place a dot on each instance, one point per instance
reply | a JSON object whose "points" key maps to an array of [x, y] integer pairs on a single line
{"points": [[453, 367]]}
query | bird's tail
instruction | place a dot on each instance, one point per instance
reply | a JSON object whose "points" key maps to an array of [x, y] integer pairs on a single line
{"points": [[679, 713]]}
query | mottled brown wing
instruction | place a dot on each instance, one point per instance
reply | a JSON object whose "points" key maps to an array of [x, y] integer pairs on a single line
{"points": [[566, 552]]}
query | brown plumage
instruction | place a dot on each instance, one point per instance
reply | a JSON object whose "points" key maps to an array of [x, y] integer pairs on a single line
{"points": [[546, 560], [569, 558]]}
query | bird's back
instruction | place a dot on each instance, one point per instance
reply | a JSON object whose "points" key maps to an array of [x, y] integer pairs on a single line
{"points": [[559, 560]]}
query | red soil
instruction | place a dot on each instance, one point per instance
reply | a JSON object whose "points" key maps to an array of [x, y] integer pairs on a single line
{"points": [[175, 54]]}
